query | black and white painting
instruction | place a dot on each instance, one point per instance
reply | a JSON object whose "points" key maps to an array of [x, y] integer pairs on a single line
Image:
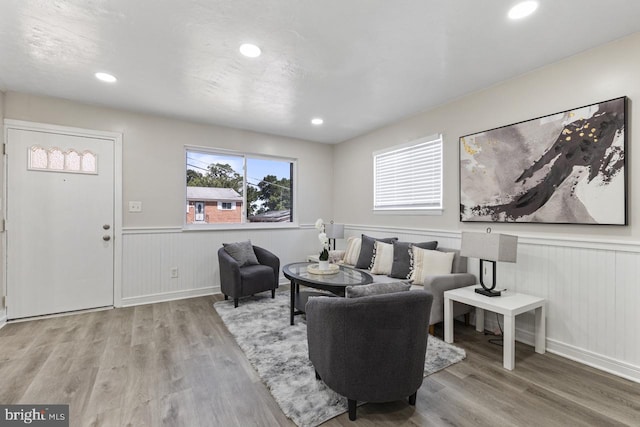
{"points": [[566, 168]]}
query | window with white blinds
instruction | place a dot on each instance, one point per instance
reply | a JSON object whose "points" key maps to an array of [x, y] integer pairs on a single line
{"points": [[409, 176]]}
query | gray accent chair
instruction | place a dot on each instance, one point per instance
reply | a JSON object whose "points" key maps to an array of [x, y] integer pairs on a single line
{"points": [[372, 348], [237, 282]]}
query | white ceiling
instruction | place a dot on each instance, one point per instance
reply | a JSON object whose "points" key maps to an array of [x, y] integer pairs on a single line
{"points": [[359, 64]]}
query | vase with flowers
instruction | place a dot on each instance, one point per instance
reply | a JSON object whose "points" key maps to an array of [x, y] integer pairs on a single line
{"points": [[324, 241]]}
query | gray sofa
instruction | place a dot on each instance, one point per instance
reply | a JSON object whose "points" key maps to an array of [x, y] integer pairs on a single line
{"points": [[437, 285], [371, 348]]}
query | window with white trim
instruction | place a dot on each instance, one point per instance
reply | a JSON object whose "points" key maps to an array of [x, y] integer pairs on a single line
{"points": [[408, 177], [237, 188]]}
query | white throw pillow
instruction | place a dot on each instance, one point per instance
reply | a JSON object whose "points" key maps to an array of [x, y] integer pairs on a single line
{"points": [[352, 252], [336, 256], [429, 263], [382, 258]]}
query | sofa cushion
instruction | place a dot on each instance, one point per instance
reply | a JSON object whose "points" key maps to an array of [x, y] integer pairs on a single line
{"points": [[352, 252], [401, 268], [336, 256], [459, 262], [375, 289], [428, 263], [381, 278], [242, 252], [365, 258], [382, 258]]}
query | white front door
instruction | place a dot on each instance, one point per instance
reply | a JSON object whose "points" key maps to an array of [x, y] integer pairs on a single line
{"points": [[60, 222]]}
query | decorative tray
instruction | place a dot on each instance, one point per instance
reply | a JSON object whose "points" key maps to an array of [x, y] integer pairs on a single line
{"points": [[315, 269]]}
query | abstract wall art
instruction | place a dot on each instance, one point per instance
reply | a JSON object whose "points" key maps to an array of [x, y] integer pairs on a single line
{"points": [[564, 168]]}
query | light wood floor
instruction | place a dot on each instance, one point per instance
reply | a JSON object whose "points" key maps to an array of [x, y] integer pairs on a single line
{"points": [[175, 364]]}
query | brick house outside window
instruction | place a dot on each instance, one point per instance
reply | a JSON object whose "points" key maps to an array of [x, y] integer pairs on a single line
{"points": [[211, 205]]}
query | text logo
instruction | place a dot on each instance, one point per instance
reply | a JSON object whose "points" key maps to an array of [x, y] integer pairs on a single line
{"points": [[34, 415]]}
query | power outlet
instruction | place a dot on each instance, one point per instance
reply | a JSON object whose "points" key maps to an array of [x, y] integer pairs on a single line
{"points": [[174, 272], [135, 206]]}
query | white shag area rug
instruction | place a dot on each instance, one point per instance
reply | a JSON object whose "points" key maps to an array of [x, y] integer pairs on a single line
{"points": [[278, 352]]}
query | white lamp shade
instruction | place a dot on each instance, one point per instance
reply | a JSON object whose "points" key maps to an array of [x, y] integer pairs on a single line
{"points": [[334, 231], [489, 246]]}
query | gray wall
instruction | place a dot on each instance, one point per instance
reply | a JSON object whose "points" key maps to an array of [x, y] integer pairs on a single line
{"points": [[600, 74], [153, 155]]}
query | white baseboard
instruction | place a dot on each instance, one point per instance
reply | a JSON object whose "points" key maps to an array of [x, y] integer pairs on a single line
{"points": [[580, 355], [176, 295], [169, 296], [598, 361]]}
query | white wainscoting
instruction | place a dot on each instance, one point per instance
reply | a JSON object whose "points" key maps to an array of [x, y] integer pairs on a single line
{"points": [[591, 285], [150, 254]]}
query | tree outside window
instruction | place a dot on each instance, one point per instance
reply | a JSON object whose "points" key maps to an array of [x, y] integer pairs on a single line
{"points": [[242, 188]]}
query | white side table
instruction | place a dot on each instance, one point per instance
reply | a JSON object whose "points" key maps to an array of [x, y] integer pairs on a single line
{"points": [[509, 304]]}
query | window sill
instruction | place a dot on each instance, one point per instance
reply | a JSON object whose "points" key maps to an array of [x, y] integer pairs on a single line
{"points": [[246, 226], [418, 212]]}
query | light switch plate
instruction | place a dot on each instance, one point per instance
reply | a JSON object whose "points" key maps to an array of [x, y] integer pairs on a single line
{"points": [[135, 207]]}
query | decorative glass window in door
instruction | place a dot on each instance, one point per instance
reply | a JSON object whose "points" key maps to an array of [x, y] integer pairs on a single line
{"points": [[56, 160]]}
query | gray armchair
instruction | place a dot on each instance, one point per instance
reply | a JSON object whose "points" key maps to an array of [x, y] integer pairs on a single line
{"points": [[237, 282], [371, 348]]}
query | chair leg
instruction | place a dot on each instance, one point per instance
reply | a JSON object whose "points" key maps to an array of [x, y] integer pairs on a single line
{"points": [[352, 409], [235, 303], [432, 330], [226, 297], [412, 399], [318, 376], [273, 293]]}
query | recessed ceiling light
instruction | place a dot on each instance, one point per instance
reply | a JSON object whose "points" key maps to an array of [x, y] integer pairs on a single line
{"points": [[317, 121], [523, 9], [106, 77], [250, 50]]}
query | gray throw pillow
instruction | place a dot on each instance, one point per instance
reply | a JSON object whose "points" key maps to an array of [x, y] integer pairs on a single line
{"points": [[401, 268], [375, 289], [242, 252], [366, 250]]}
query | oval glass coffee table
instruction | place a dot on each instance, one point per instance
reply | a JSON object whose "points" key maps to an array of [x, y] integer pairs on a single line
{"points": [[335, 283]]}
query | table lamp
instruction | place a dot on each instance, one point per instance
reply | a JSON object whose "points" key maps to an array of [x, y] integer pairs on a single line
{"points": [[492, 248], [334, 231]]}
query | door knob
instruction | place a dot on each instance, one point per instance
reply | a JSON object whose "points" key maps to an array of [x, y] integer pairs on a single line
{"points": [[106, 238], [106, 226]]}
